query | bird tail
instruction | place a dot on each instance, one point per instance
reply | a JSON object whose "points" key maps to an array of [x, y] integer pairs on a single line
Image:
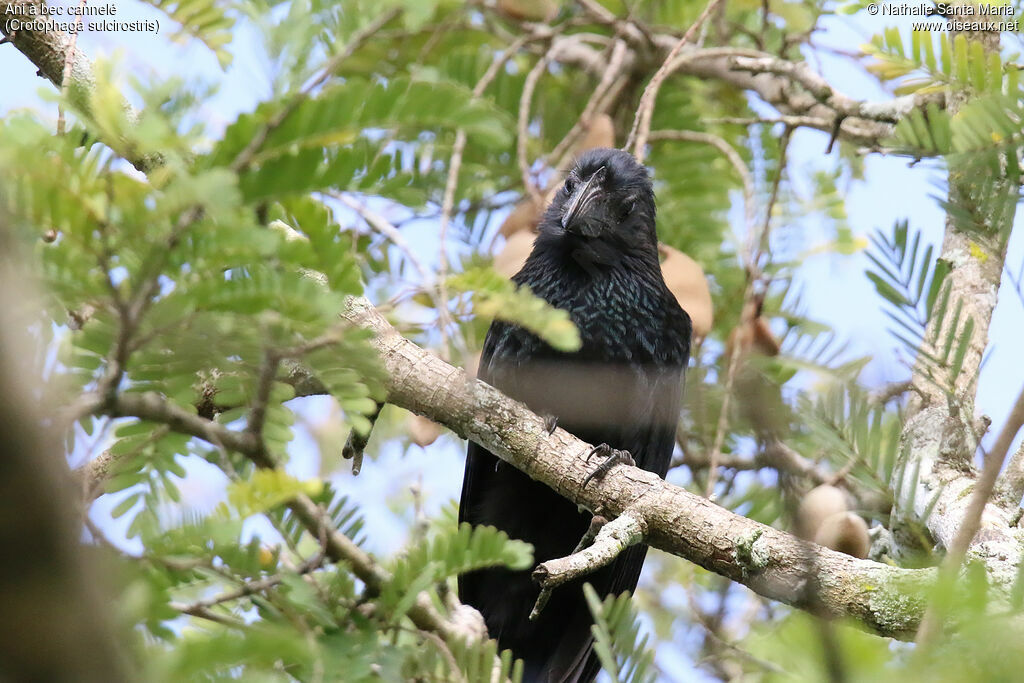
{"points": [[569, 660]]}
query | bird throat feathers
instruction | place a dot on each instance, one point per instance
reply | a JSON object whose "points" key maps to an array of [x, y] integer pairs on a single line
{"points": [[631, 244]]}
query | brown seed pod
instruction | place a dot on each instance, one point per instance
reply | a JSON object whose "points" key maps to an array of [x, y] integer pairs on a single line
{"points": [[513, 255], [819, 503], [846, 533], [763, 338], [422, 431], [686, 280], [824, 517], [528, 10], [753, 333], [524, 218], [599, 132]]}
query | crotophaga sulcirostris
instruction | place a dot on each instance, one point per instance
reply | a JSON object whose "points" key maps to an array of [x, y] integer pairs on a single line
{"points": [[596, 257]]}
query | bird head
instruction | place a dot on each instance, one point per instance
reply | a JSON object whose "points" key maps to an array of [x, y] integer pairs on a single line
{"points": [[608, 196]]}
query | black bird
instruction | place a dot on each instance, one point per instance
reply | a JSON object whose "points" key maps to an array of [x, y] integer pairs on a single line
{"points": [[596, 257]]}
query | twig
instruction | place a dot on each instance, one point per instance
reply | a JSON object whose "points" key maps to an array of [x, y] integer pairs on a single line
{"points": [[596, 524], [792, 121], [453, 666], [339, 548], [436, 291], [1011, 484], [757, 246], [890, 391], [248, 153], [94, 474], [387, 229], [795, 71], [756, 249], [207, 614], [711, 623], [971, 523], [723, 417], [451, 183], [611, 72], [248, 588], [265, 383], [730, 154], [613, 538], [524, 120], [642, 121], [635, 33]]}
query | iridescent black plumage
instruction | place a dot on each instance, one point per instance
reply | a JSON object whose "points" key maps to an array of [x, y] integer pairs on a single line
{"points": [[596, 257]]}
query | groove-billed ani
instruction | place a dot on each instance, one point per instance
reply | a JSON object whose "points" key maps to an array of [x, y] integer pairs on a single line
{"points": [[596, 257]]}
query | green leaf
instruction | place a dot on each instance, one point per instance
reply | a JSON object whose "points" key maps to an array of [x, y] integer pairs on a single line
{"points": [[267, 489], [494, 296], [125, 505], [206, 20], [623, 652]]}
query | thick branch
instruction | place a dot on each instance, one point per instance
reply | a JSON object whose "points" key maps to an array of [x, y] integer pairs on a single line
{"points": [[1011, 485], [791, 87], [941, 484], [47, 50], [769, 561]]}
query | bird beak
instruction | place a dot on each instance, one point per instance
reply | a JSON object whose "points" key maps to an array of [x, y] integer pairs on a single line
{"points": [[577, 205]]}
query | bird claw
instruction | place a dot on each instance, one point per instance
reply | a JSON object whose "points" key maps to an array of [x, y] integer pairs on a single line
{"points": [[550, 423], [612, 457]]}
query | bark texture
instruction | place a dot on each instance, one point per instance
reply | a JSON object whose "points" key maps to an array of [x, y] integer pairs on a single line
{"points": [[773, 563]]}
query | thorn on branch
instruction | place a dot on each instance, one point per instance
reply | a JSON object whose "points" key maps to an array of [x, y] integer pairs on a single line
{"points": [[836, 126], [356, 442]]}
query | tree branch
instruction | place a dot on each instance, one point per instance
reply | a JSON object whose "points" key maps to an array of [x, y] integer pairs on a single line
{"points": [[49, 51], [1010, 487], [940, 438], [799, 95], [614, 537], [463, 624], [642, 121], [771, 562]]}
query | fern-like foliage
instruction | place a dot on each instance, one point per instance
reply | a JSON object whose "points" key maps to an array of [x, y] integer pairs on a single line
{"points": [[494, 296], [986, 130], [445, 555], [933, 62], [621, 648], [207, 21], [927, 321], [856, 435]]}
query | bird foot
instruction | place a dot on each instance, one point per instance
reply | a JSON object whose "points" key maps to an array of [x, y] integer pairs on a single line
{"points": [[612, 457], [550, 423]]}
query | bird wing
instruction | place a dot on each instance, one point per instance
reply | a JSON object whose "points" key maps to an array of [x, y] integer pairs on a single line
{"points": [[647, 397], [479, 460]]}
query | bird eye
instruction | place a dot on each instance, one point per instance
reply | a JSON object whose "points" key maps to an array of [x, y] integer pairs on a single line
{"points": [[570, 185]]}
